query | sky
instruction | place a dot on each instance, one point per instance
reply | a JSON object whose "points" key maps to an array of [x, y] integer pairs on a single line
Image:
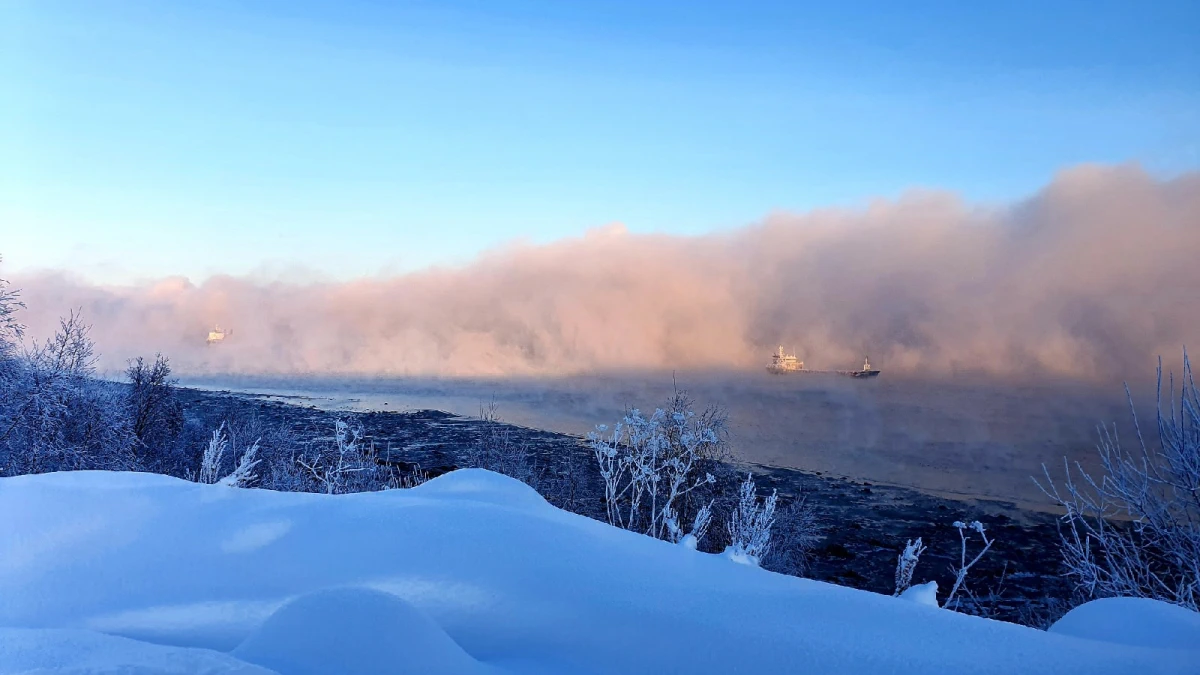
{"points": [[298, 140]]}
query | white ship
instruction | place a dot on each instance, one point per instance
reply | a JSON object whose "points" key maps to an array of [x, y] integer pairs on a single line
{"points": [[782, 362], [217, 334]]}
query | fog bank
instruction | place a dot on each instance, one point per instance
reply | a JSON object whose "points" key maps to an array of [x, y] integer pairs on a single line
{"points": [[1092, 277]]}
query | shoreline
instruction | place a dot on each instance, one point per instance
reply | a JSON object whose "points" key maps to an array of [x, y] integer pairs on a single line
{"points": [[863, 523], [344, 405]]}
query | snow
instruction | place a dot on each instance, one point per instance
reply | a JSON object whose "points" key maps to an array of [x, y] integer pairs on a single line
{"points": [[1139, 622], [922, 594], [470, 573], [27, 651], [354, 630]]}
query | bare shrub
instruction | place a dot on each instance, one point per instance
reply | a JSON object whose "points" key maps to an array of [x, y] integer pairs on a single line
{"points": [[404, 481], [497, 450], [1134, 530], [1043, 612], [960, 572], [155, 412], [569, 483], [795, 534]]}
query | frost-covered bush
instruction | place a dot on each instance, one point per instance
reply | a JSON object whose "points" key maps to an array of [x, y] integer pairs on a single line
{"points": [[693, 537], [650, 465], [55, 415], [210, 461], [242, 475], [906, 564], [749, 525], [346, 465], [1134, 529], [11, 330]]}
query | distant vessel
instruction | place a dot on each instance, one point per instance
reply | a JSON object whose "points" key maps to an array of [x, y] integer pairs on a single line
{"points": [[865, 371], [783, 363], [217, 334]]}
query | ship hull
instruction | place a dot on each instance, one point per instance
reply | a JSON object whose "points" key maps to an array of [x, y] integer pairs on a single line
{"points": [[843, 373]]}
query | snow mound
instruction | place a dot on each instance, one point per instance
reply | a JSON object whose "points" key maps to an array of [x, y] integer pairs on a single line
{"points": [[486, 576], [922, 594], [354, 631], [481, 486], [1139, 622], [77, 652]]}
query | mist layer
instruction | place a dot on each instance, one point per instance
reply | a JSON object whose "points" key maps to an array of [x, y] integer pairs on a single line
{"points": [[1092, 277]]}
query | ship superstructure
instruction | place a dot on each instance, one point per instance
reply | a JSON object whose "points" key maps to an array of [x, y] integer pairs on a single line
{"points": [[216, 335], [782, 362]]}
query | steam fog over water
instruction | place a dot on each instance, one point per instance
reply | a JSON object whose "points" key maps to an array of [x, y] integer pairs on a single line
{"points": [[1092, 277], [1003, 331]]}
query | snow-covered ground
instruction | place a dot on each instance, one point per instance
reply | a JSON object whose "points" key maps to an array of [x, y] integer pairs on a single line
{"points": [[470, 573]]}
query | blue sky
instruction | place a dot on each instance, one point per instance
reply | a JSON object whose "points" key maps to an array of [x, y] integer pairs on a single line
{"points": [[145, 139]]}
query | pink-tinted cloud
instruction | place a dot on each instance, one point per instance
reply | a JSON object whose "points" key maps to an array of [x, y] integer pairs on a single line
{"points": [[1093, 276]]}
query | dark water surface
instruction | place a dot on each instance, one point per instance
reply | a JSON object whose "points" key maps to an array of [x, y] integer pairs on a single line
{"points": [[961, 436]]}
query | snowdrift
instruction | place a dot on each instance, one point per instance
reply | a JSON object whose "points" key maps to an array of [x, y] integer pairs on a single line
{"points": [[1133, 621], [470, 573]]}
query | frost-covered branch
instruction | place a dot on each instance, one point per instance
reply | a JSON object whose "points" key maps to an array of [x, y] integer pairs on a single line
{"points": [[348, 466], [1134, 528], [649, 466], [960, 572], [54, 414], [11, 330], [750, 524], [154, 408], [243, 474], [210, 461], [906, 564], [700, 525]]}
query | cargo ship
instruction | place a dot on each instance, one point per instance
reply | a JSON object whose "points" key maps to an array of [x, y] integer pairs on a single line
{"points": [[783, 363]]}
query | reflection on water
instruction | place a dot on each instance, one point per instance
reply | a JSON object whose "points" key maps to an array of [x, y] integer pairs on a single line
{"points": [[973, 437]]}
